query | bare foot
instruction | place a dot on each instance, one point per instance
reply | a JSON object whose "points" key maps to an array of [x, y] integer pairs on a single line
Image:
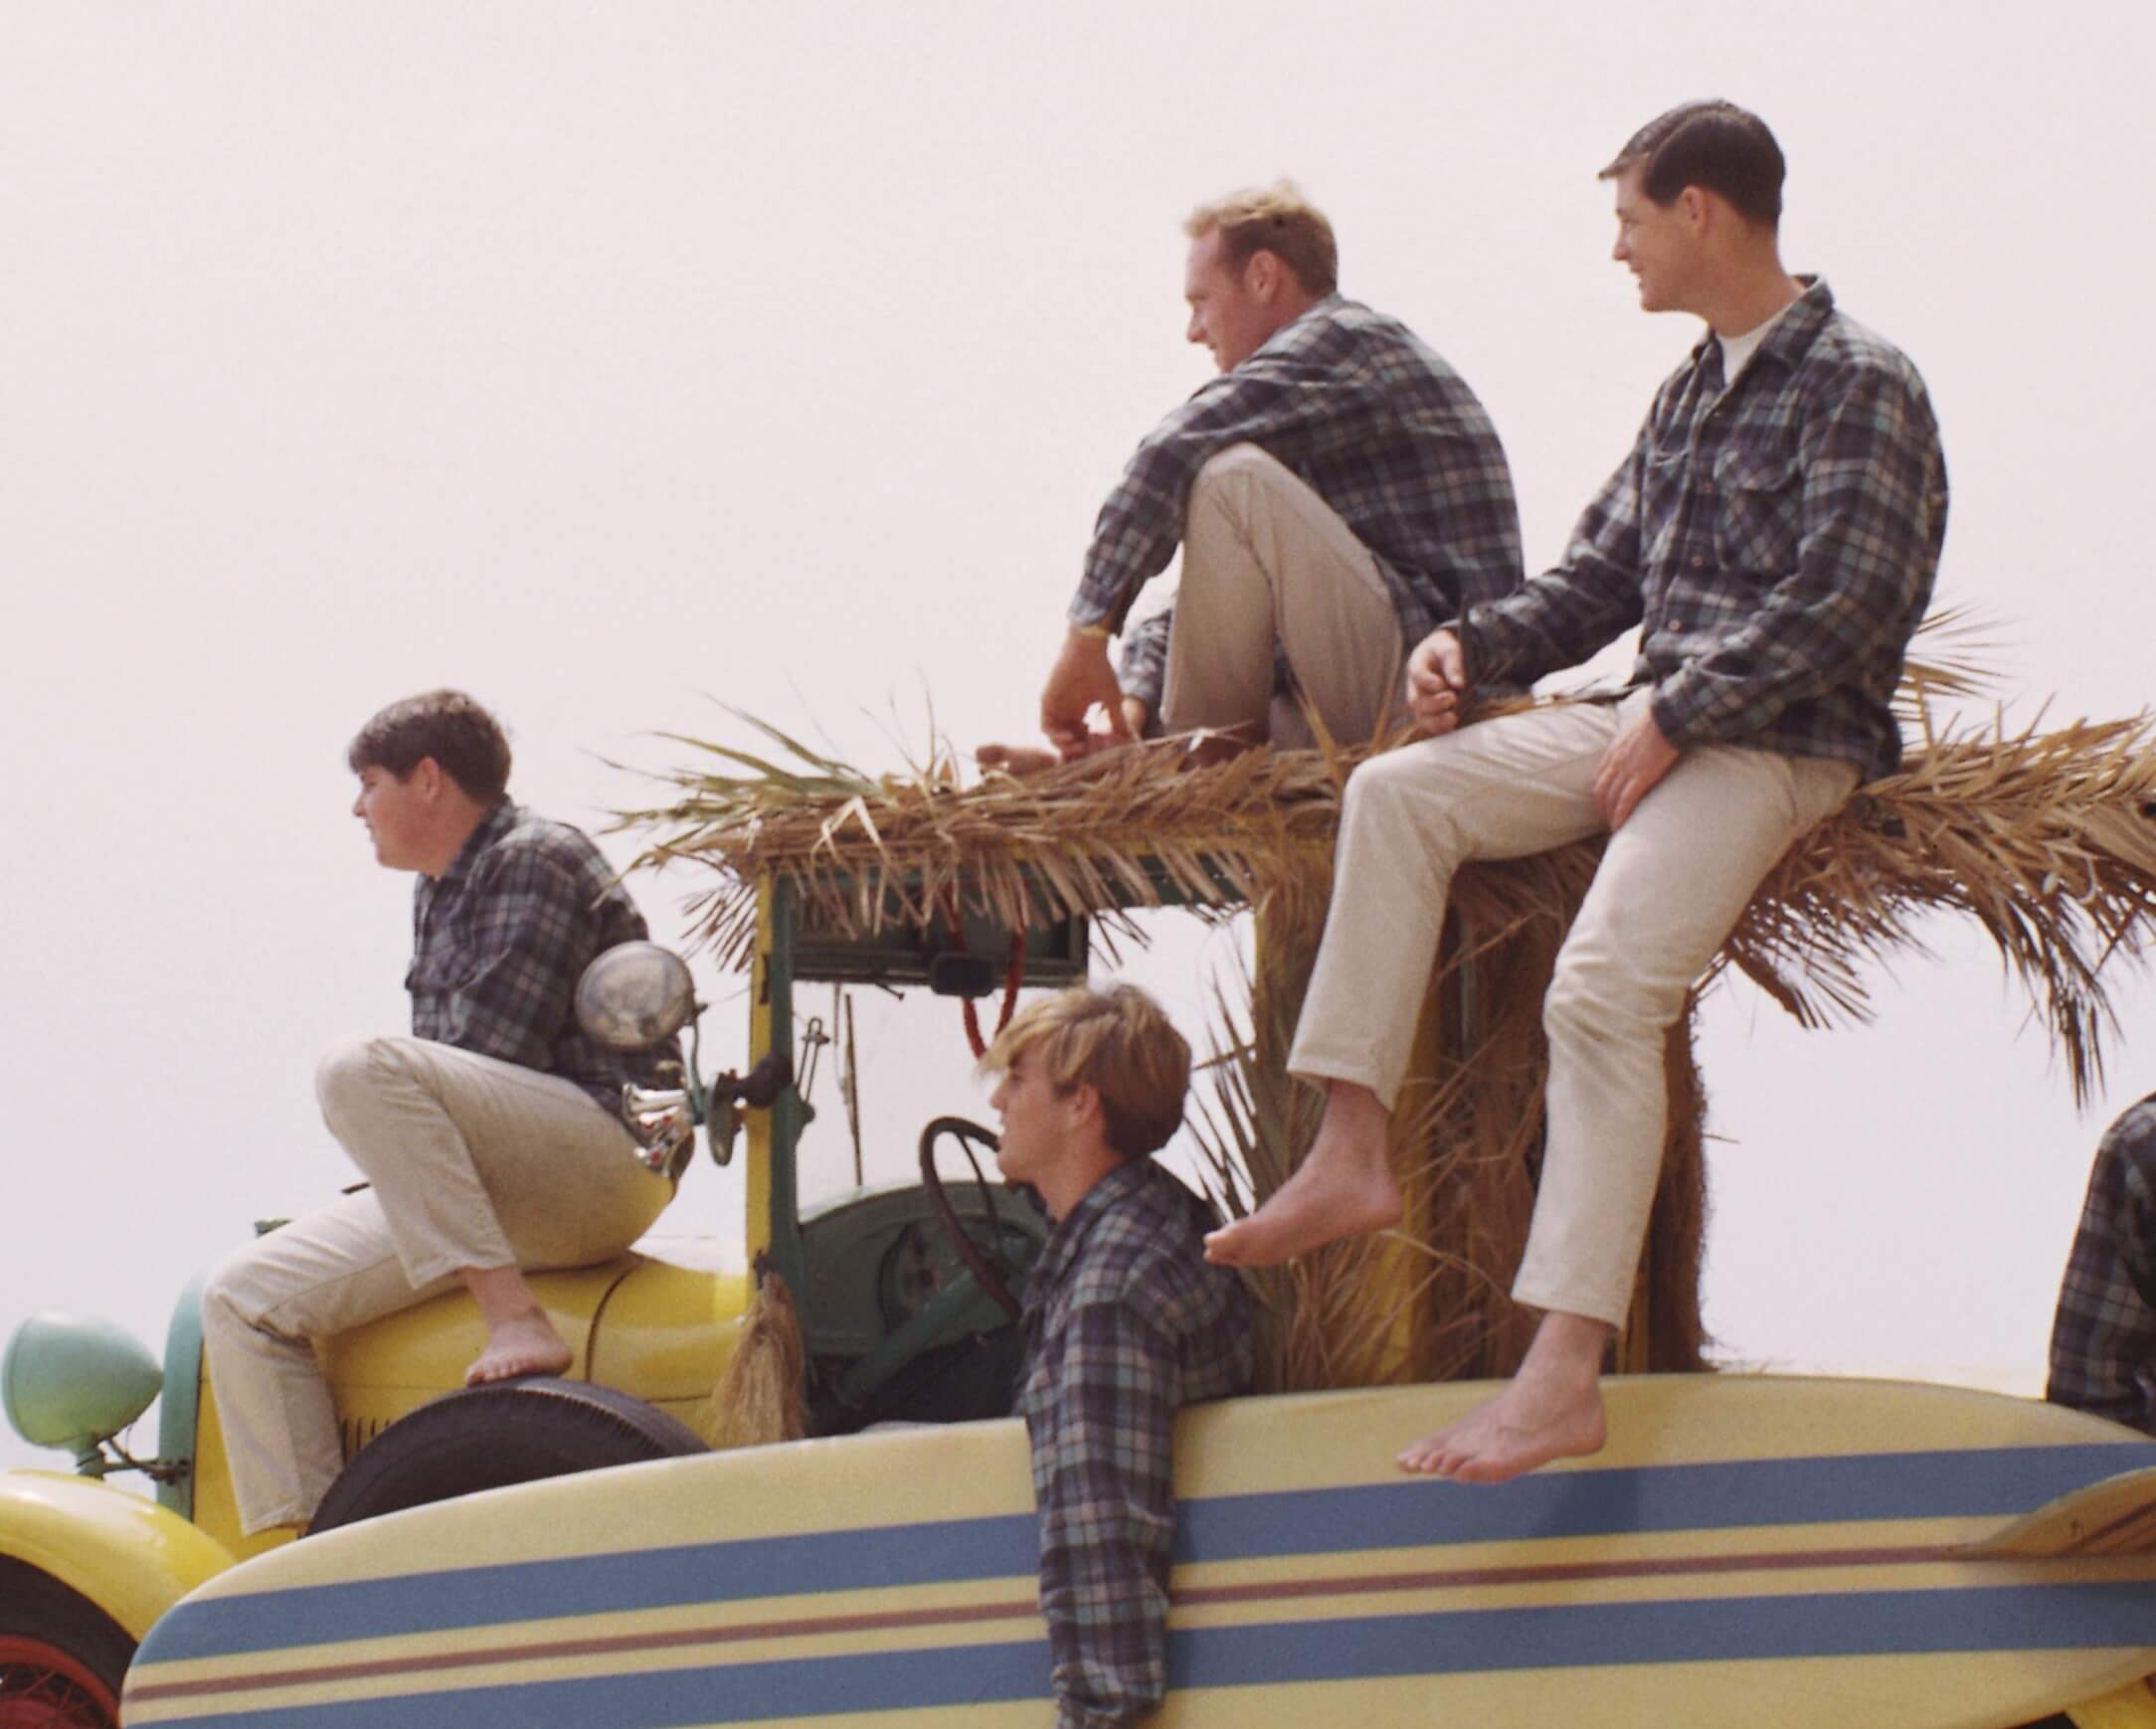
{"points": [[1515, 1433], [1551, 1409], [525, 1345], [1343, 1189]]}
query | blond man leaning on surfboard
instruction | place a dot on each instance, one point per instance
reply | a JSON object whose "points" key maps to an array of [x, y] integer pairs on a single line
{"points": [[1123, 1325], [1774, 534]]}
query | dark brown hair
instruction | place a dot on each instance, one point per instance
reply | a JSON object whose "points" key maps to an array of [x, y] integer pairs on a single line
{"points": [[1717, 146], [447, 725]]}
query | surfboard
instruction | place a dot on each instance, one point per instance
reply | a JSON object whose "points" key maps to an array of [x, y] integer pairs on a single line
{"points": [[1777, 1552]]}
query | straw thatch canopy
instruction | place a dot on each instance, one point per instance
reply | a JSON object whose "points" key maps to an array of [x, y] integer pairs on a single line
{"points": [[2046, 837]]}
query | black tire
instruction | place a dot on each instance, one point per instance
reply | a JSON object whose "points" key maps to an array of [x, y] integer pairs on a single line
{"points": [[490, 1436], [60, 1656]]}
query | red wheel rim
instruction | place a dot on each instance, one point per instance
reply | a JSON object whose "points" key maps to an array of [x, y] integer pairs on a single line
{"points": [[41, 1686]]}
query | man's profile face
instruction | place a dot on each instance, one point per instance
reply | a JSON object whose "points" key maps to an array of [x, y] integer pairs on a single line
{"points": [[395, 816], [1226, 315], [1031, 1138], [1656, 244]]}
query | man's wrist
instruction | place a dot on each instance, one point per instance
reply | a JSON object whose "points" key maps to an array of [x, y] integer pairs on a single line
{"points": [[1095, 632]]}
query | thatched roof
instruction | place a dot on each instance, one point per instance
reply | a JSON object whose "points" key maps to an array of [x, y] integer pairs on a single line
{"points": [[2046, 837]]}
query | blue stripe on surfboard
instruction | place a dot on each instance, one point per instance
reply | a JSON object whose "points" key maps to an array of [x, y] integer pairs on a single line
{"points": [[1715, 1630], [2004, 1481], [1985, 1481]]}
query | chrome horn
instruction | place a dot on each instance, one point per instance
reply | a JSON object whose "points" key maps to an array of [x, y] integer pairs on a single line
{"points": [[662, 1120]]}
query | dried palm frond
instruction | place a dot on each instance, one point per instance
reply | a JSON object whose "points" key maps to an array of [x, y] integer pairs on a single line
{"points": [[762, 1398], [1950, 658], [1110, 832], [2047, 839]]}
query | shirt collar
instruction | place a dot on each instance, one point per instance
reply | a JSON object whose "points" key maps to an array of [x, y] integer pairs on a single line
{"points": [[1795, 328], [1072, 1229], [492, 826], [1319, 308]]}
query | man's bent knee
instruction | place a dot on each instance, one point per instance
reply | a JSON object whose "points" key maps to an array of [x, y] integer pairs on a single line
{"points": [[358, 1069], [235, 1294], [1234, 470], [1393, 779]]}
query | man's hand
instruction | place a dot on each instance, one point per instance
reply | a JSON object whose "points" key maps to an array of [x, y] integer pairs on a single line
{"points": [[1637, 758], [1437, 681], [1080, 681]]}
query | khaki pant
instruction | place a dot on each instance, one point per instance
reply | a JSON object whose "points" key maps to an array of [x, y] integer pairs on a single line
{"points": [[473, 1163], [1671, 887], [1264, 561]]}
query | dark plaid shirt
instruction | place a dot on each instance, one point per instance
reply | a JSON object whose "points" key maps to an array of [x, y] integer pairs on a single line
{"points": [[1776, 541], [1380, 428], [2103, 1337], [499, 942], [1124, 1322]]}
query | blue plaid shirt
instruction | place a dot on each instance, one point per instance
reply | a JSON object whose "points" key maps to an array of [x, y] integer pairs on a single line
{"points": [[1124, 1322], [1380, 428], [499, 940], [2103, 1337], [1776, 540]]}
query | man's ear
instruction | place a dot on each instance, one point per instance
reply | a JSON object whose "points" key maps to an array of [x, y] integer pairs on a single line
{"points": [[427, 778], [1085, 1100], [1261, 275]]}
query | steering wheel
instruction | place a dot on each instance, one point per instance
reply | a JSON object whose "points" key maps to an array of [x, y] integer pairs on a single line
{"points": [[981, 1263]]}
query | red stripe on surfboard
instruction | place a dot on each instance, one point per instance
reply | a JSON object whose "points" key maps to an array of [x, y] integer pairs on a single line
{"points": [[973, 1614]]}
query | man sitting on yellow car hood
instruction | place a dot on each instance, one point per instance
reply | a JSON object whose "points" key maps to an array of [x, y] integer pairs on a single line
{"points": [[491, 1137]]}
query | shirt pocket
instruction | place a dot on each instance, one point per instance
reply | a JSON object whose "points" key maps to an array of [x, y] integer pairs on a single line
{"points": [[1757, 527]]}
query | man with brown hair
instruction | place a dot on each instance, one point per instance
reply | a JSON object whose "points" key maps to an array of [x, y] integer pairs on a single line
{"points": [[1123, 1325], [491, 1139], [1335, 492], [1774, 534]]}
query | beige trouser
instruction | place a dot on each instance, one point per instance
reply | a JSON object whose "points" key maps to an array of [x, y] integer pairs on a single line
{"points": [[474, 1163], [1264, 561], [1671, 887]]}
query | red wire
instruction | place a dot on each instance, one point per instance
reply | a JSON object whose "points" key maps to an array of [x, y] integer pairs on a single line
{"points": [[1012, 978]]}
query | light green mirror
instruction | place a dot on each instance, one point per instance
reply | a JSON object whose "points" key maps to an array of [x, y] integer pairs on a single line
{"points": [[71, 1380]]}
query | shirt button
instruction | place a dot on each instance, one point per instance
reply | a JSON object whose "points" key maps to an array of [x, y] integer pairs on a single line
{"points": [[1698, 562], [1706, 486]]}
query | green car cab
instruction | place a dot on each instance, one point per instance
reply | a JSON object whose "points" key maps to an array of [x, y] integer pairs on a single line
{"points": [[892, 1326]]}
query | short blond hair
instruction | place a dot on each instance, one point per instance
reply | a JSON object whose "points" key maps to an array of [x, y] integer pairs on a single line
{"points": [[1117, 1041], [1276, 219]]}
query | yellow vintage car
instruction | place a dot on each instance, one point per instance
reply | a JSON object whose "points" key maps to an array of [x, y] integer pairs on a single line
{"points": [[894, 1330]]}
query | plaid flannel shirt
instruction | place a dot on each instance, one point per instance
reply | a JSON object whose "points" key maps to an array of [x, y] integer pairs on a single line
{"points": [[1380, 428], [500, 940], [1776, 541], [2103, 1337], [1124, 1322]]}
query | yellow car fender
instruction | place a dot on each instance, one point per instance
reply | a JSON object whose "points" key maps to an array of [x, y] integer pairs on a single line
{"points": [[127, 1555]]}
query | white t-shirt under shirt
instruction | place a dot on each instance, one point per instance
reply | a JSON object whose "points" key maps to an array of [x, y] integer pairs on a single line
{"points": [[1737, 351]]}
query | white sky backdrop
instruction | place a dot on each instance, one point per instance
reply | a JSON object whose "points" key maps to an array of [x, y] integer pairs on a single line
{"points": [[606, 358]]}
